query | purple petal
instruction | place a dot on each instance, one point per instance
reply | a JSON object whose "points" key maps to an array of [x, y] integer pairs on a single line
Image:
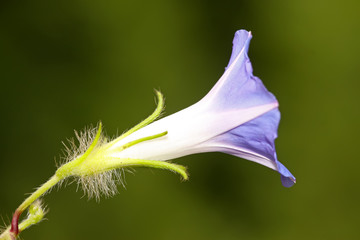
{"points": [[238, 88], [287, 179], [241, 40], [257, 135], [254, 141]]}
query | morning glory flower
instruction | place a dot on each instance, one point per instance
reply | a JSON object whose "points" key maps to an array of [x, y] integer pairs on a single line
{"points": [[239, 116]]}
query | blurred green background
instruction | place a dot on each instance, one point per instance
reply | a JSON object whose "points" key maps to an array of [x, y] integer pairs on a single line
{"points": [[68, 64]]}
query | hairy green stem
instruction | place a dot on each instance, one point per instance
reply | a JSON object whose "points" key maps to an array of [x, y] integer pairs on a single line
{"points": [[14, 230], [39, 192]]}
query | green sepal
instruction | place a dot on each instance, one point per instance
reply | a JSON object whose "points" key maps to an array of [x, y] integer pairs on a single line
{"points": [[68, 168], [176, 168], [148, 120]]}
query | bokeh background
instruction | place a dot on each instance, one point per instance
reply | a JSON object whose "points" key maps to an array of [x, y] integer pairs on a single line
{"points": [[67, 64]]}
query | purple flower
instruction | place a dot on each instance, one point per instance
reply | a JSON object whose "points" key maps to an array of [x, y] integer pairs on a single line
{"points": [[239, 116]]}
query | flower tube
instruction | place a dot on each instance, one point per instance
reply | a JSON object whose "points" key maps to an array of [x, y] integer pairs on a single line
{"points": [[239, 116]]}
